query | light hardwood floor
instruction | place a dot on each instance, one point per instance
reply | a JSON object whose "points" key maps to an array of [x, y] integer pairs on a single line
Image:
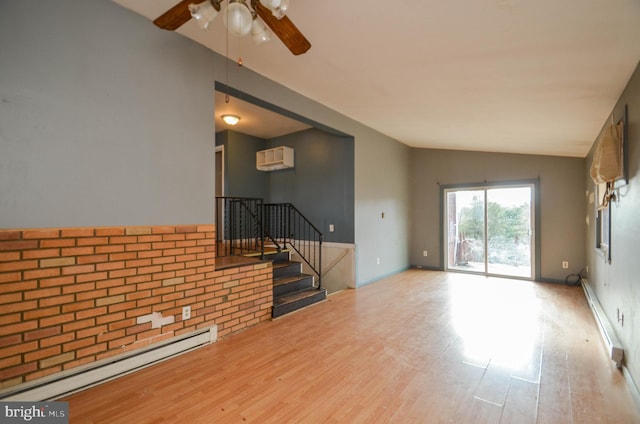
{"points": [[419, 347]]}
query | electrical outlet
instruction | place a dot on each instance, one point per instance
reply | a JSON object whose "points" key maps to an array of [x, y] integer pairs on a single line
{"points": [[378, 261], [331, 228], [565, 264], [186, 313], [425, 253]]}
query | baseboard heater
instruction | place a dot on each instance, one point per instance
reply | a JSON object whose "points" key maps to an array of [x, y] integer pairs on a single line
{"points": [[72, 381], [614, 347]]}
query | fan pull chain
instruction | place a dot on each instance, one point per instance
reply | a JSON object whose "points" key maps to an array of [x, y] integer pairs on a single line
{"points": [[226, 96], [239, 61]]}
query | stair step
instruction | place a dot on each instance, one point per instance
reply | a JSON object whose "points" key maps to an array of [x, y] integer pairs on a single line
{"points": [[291, 283], [284, 263], [274, 255], [297, 300], [270, 252], [286, 268], [289, 278]]}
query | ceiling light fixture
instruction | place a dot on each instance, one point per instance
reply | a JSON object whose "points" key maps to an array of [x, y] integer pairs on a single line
{"points": [[277, 7], [231, 119], [204, 13], [239, 17], [259, 31]]}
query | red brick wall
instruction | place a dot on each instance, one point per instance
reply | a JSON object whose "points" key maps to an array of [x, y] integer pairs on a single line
{"points": [[71, 296]]}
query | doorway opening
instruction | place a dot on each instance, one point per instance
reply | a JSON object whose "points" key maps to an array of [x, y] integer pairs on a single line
{"points": [[490, 229]]}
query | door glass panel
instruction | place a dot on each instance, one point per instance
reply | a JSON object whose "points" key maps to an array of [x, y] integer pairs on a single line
{"points": [[509, 231], [490, 230], [466, 230]]}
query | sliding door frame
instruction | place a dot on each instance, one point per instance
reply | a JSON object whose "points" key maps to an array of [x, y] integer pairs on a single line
{"points": [[535, 183]]}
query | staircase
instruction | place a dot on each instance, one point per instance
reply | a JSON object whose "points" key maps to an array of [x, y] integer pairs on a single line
{"points": [[292, 289], [249, 227]]}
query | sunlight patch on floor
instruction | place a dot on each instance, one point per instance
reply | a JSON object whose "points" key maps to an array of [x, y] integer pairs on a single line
{"points": [[497, 319]]}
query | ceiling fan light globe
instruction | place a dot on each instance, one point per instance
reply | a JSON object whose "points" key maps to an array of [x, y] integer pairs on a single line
{"points": [[284, 7], [259, 32], [238, 18], [204, 13], [278, 8], [270, 4]]}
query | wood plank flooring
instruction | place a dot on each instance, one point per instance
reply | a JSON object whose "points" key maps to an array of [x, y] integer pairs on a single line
{"points": [[418, 347]]}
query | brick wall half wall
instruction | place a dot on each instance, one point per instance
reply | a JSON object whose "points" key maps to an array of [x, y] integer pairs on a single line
{"points": [[72, 296]]}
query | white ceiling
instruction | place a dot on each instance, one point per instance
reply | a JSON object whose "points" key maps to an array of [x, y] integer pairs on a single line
{"points": [[254, 120], [519, 76]]}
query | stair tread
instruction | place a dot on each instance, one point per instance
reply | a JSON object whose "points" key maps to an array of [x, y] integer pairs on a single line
{"points": [[268, 250], [292, 297], [283, 264], [274, 248], [289, 279]]}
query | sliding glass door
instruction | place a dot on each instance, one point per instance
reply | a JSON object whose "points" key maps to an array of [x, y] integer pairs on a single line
{"points": [[489, 230]]}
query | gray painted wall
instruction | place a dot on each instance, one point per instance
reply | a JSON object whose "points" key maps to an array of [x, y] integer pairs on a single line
{"points": [[103, 119], [321, 183], [106, 122], [617, 285], [109, 122], [383, 186], [381, 183], [561, 194], [242, 179]]}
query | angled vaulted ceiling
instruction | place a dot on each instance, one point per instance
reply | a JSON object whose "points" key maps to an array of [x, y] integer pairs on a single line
{"points": [[489, 75]]}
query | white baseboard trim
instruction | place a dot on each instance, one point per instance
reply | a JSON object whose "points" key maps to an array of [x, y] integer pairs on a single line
{"points": [[610, 339], [614, 347], [80, 378], [633, 388]]}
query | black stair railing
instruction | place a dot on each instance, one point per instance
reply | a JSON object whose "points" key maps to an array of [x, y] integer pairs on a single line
{"points": [[239, 226], [287, 226]]}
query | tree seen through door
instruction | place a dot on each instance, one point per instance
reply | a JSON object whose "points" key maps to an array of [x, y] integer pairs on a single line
{"points": [[504, 216]]}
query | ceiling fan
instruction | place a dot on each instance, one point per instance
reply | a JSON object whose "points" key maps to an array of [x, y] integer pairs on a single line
{"points": [[238, 17]]}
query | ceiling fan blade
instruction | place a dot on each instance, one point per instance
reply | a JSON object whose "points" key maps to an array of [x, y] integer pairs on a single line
{"points": [[286, 31], [175, 17]]}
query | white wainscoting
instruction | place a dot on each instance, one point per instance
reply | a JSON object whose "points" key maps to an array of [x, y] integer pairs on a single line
{"points": [[338, 266]]}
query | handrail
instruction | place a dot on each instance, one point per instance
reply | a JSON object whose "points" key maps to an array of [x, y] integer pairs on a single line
{"points": [[285, 223], [238, 226], [243, 224]]}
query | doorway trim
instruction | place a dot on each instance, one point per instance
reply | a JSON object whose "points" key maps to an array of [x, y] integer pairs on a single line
{"points": [[488, 185], [219, 184]]}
